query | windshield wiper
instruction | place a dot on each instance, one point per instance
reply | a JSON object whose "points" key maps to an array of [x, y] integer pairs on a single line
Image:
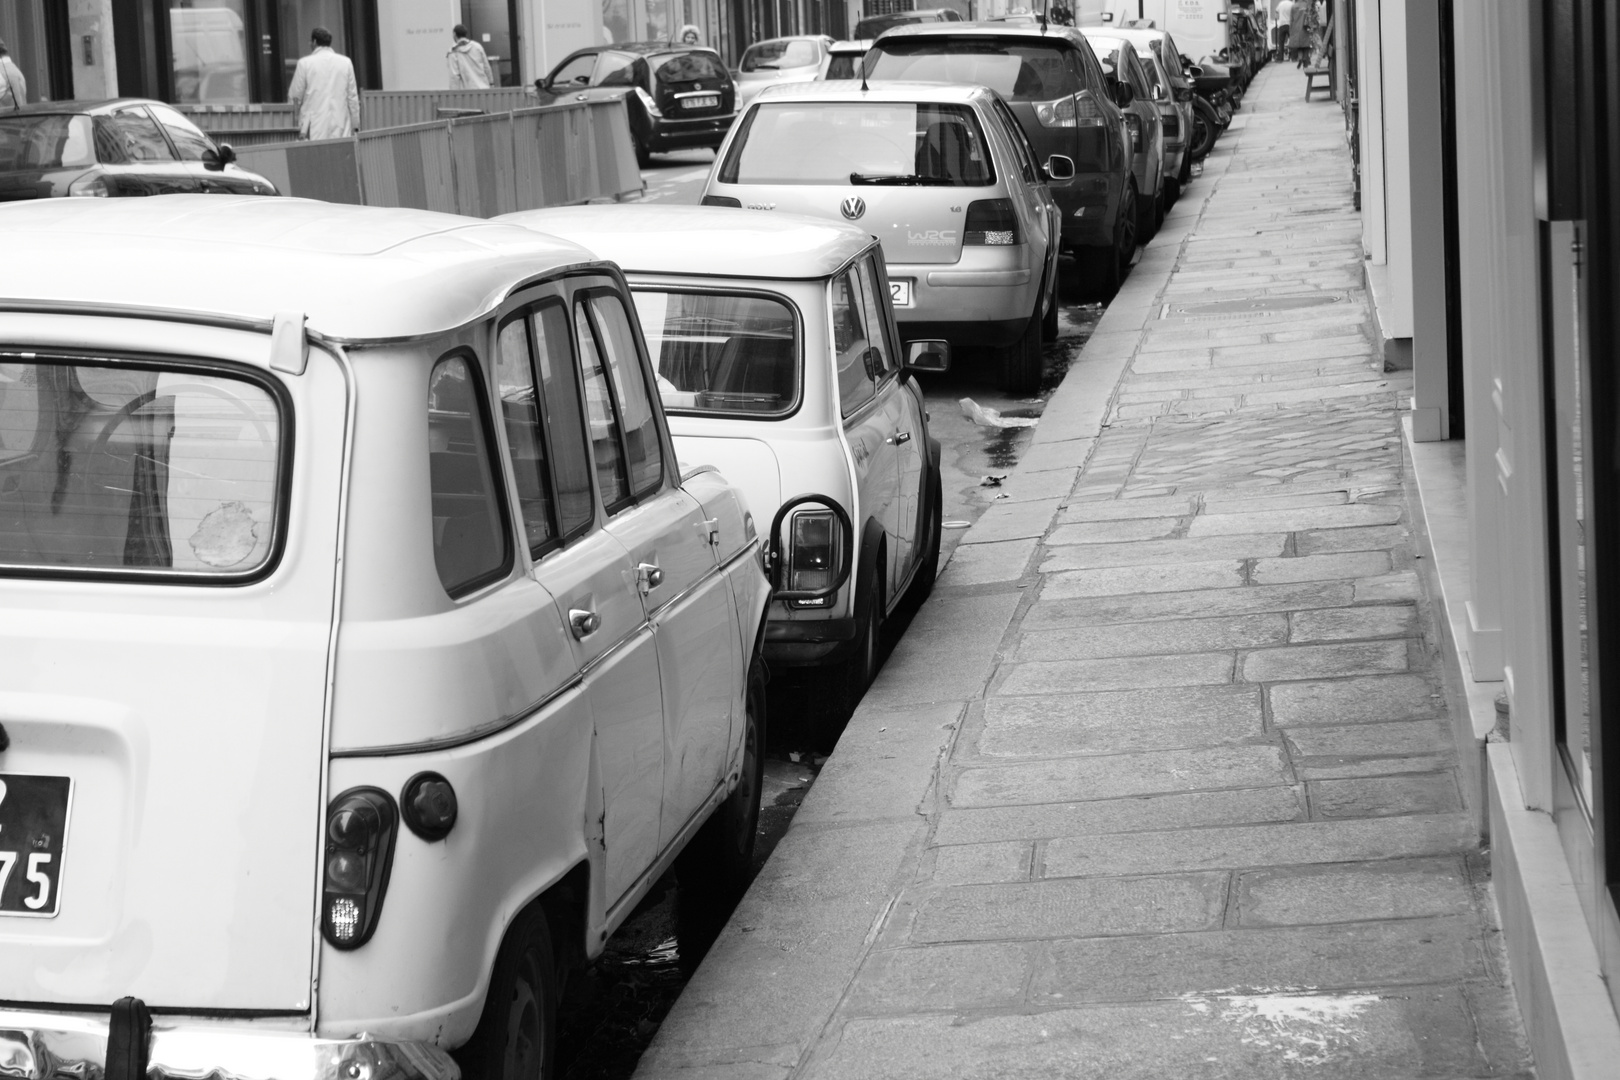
{"points": [[900, 179]]}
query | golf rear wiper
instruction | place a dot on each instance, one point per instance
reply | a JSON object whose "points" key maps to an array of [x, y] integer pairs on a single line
{"points": [[911, 179]]}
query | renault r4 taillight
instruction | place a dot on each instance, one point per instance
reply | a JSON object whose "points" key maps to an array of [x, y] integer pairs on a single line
{"points": [[361, 825]]}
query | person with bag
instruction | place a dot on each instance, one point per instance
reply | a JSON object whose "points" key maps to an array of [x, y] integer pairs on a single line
{"points": [[324, 91], [13, 87]]}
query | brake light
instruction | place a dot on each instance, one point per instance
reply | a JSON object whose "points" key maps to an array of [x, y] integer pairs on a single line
{"points": [[990, 221], [812, 552], [1059, 114], [648, 102], [361, 825], [91, 185]]}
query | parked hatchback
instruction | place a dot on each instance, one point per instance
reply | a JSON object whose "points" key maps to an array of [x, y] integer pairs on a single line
{"points": [[1122, 67], [114, 148], [681, 96], [779, 60], [779, 363], [941, 175], [1052, 81], [1172, 93], [367, 657]]}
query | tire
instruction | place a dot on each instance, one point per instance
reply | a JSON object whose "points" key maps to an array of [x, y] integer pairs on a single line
{"points": [[846, 683], [1185, 177], [1049, 322], [922, 584], [1021, 361], [1206, 127], [516, 1037], [1148, 217], [1104, 269], [643, 155], [1172, 191]]}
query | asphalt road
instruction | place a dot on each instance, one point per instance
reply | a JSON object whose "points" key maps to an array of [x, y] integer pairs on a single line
{"points": [[611, 1013]]}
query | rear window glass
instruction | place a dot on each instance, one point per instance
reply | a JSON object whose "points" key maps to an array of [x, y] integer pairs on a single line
{"points": [[839, 142], [721, 352], [688, 67], [775, 55], [110, 467], [844, 66], [470, 543], [1017, 70], [45, 142]]}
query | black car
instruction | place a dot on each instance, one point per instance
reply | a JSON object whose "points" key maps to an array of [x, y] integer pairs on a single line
{"points": [[873, 25], [127, 146], [682, 96]]}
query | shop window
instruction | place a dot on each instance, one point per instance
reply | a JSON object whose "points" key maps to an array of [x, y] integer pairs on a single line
{"points": [[208, 52]]}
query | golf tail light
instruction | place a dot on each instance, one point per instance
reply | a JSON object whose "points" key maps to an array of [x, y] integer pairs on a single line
{"points": [[990, 221], [813, 554], [1060, 113], [361, 825]]}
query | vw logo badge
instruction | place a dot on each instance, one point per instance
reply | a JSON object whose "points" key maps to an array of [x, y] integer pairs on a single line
{"points": [[853, 207]]}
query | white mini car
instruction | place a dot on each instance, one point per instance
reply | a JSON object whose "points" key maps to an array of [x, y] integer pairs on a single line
{"points": [[779, 363], [365, 657]]}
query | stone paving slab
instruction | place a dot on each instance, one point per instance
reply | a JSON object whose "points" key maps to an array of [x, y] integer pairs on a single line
{"points": [[1140, 553], [1240, 806], [1061, 909], [1111, 722], [1162, 638], [1401, 889], [1120, 776]]}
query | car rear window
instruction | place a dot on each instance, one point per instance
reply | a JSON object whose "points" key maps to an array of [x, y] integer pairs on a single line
{"points": [[844, 142], [688, 67], [45, 142], [722, 352], [776, 55], [844, 66], [1018, 70], [148, 469]]}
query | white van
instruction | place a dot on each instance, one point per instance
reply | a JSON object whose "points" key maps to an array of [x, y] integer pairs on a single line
{"points": [[1201, 27], [365, 656]]}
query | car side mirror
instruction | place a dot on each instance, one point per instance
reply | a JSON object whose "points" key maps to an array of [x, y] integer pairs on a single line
{"points": [[1123, 94], [931, 355], [221, 156], [1059, 167]]}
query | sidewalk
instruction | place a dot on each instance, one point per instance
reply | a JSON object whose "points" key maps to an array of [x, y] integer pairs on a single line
{"points": [[1159, 784]]}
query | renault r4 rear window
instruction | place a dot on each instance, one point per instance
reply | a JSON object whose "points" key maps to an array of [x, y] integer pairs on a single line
{"points": [[146, 471]]}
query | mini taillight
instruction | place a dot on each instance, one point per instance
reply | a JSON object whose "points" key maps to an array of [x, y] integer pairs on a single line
{"points": [[722, 200], [648, 102], [990, 221], [91, 185], [813, 552], [361, 825]]}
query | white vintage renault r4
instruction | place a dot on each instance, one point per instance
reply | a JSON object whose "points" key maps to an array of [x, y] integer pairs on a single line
{"points": [[364, 655]]}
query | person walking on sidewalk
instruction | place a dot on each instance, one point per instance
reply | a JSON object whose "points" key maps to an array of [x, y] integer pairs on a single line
{"points": [[1280, 27], [469, 67], [13, 87], [1299, 33], [323, 91]]}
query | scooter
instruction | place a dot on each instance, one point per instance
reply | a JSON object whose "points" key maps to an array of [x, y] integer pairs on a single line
{"points": [[1212, 85]]}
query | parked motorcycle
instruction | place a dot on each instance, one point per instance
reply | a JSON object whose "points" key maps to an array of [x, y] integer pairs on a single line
{"points": [[1212, 90]]}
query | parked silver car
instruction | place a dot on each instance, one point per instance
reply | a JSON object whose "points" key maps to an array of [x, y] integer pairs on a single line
{"points": [[1142, 120], [1173, 94], [800, 58], [942, 175]]}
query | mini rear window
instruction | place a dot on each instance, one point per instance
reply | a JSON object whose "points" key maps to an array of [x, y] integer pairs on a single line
{"points": [[776, 55], [860, 142], [688, 67], [160, 469], [722, 352], [1018, 70], [45, 142]]}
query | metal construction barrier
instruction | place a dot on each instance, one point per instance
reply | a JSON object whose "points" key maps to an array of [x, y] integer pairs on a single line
{"points": [[398, 108], [245, 125], [551, 155]]}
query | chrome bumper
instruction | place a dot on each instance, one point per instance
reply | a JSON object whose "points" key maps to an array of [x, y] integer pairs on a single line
{"points": [[57, 1046]]}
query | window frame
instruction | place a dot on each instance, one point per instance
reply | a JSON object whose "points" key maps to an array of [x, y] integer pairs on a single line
{"points": [[287, 436], [733, 290], [580, 297], [499, 480], [523, 314]]}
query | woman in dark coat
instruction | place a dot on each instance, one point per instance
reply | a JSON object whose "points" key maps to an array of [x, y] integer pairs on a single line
{"points": [[1299, 34]]}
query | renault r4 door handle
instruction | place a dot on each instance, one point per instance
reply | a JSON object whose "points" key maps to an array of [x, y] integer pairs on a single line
{"points": [[899, 438], [583, 622], [649, 577]]}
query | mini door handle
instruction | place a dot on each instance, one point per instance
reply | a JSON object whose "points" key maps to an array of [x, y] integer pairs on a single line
{"points": [[584, 623], [902, 437], [649, 576]]}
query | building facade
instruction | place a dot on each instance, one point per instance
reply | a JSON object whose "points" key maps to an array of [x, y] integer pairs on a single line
{"points": [[1488, 140]]}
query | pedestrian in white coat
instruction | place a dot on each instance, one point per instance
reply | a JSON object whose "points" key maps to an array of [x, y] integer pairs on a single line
{"points": [[324, 92], [13, 87], [469, 67]]}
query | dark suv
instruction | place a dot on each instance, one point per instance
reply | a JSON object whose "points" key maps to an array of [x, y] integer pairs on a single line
{"points": [[681, 95], [1065, 104]]}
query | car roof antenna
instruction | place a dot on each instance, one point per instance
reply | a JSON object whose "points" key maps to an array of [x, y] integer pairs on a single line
{"points": [[863, 73], [1046, 10]]}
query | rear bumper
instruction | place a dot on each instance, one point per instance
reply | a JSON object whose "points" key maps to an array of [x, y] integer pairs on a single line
{"points": [[808, 642], [985, 285], [670, 134], [47, 1046]]}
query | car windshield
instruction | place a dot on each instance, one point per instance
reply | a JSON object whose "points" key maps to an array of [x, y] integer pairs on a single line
{"points": [[688, 67], [777, 55], [722, 352], [1018, 70], [872, 142], [45, 142], [144, 469]]}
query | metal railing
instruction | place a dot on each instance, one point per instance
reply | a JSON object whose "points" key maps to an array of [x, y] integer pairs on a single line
{"points": [[481, 166]]}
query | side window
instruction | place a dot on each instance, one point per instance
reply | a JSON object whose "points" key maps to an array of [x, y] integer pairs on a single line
{"points": [[1140, 83], [1020, 143], [643, 450], [187, 137], [575, 71], [520, 413], [471, 545], [874, 301], [614, 69], [850, 345], [604, 419], [137, 136], [570, 450]]}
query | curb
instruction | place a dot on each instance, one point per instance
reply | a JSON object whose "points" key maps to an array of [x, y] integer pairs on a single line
{"points": [[771, 984]]}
